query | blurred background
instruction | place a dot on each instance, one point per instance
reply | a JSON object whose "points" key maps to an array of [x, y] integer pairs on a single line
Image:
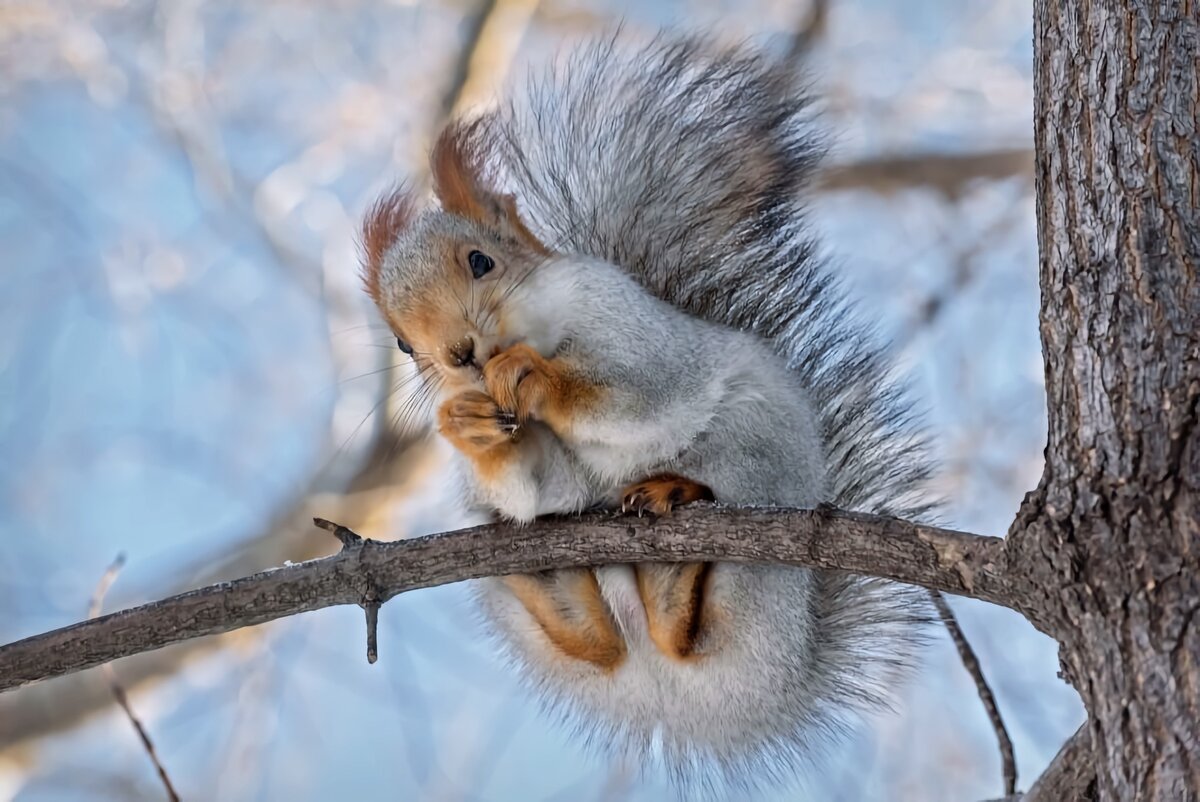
{"points": [[189, 371]]}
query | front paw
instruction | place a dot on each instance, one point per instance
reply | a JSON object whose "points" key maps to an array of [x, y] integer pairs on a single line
{"points": [[475, 424], [517, 378]]}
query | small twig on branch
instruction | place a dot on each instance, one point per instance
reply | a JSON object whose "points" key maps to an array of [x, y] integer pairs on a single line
{"points": [[370, 602], [118, 690], [1008, 763], [348, 538], [371, 606], [941, 559]]}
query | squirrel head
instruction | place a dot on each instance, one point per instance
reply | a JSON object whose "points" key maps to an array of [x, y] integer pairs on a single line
{"points": [[444, 278]]}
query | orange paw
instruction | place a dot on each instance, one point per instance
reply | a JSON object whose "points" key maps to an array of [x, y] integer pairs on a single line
{"points": [[518, 378], [477, 427], [661, 493]]}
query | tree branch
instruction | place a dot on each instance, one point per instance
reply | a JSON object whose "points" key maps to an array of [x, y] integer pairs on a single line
{"points": [[360, 573]]}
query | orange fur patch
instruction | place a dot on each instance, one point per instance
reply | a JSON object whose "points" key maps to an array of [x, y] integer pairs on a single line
{"points": [[473, 424], [431, 317], [568, 607], [673, 595], [535, 388], [386, 218]]}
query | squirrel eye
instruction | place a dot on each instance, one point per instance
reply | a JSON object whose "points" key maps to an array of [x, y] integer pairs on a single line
{"points": [[405, 347], [481, 264]]}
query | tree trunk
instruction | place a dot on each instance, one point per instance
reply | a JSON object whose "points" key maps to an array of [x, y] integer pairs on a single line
{"points": [[1111, 537]]}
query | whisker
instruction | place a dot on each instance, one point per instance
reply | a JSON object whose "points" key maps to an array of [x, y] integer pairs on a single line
{"points": [[375, 408], [375, 326], [375, 372]]}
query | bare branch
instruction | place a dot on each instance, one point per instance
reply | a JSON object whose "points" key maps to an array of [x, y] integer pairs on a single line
{"points": [[942, 559], [1008, 762]]}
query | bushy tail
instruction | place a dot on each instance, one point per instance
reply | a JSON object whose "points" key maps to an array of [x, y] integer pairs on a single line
{"points": [[685, 163]]}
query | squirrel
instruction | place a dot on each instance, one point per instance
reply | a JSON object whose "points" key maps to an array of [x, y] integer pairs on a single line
{"points": [[617, 302]]}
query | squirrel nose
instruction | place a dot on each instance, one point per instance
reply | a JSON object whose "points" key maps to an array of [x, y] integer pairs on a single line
{"points": [[462, 353]]}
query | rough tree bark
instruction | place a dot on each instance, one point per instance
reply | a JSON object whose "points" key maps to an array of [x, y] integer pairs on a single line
{"points": [[1111, 535]]}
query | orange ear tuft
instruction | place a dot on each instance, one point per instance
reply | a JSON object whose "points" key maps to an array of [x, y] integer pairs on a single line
{"points": [[457, 168], [455, 165], [386, 218]]}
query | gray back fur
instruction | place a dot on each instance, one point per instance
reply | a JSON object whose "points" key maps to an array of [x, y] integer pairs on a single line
{"points": [[687, 165]]}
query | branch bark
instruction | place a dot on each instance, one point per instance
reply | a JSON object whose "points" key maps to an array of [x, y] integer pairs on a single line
{"points": [[941, 559], [1070, 777]]}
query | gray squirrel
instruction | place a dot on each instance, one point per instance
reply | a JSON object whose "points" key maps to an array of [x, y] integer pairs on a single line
{"points": [[616, 301]]}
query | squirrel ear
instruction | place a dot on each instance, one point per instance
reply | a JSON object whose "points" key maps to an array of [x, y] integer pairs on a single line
{"points": [[386, 218], [457, 167]]}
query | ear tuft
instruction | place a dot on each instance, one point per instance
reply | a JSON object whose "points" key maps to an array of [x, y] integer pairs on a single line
{"points": [[456, 166], [386, 218]]}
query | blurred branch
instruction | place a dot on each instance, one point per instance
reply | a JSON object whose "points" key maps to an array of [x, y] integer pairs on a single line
{"points": [[808, 31], [106, 579], [183, 113], [118, 690], [467, 63], [941, 559], [949, 174], [494, 33], [966, 270], [1008, 763]]}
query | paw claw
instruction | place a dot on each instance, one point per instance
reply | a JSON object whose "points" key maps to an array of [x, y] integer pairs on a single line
{"points": [[507, 375], [473, 423], [660, 494], [507, 422]]}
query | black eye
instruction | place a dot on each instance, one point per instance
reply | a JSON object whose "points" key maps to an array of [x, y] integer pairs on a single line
{"points": [[481, 264], [405, 347]]}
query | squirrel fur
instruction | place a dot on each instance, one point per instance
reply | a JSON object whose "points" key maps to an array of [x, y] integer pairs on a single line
{"points": [[616, 301]]}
